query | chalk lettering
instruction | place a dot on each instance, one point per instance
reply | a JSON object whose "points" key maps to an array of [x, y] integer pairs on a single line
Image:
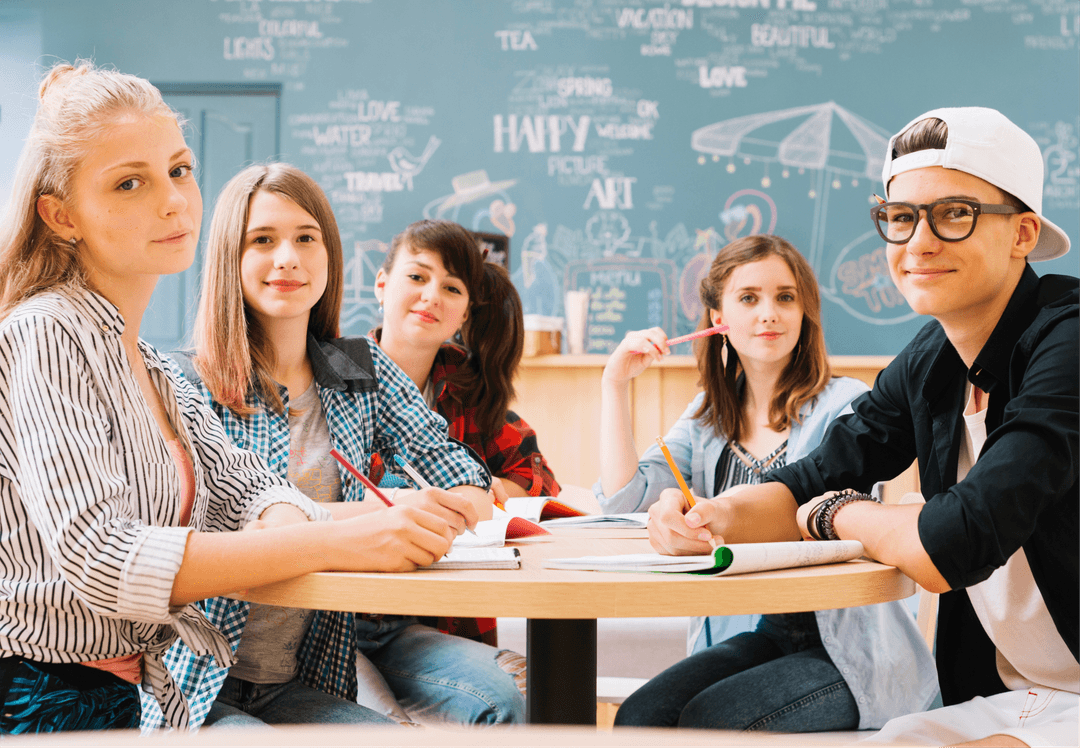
{"points": [[613, 278], [351, 135], [625, 131], [611, 193], [379, 111], [600, 87], [646, 108], [539, 132], [577, 165], [516, 39], [767, 35], [289, 27], [245, 48], [656, 18], [722, 77], [370, 181]]}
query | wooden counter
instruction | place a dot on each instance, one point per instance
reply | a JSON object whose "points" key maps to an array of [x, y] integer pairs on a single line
{"points": [[559, 396]]}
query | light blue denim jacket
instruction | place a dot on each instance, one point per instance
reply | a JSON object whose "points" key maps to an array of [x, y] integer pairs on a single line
{"points": [[877, 648]]}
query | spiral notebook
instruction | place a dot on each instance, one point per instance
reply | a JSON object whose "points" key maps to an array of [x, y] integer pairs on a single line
{"points": [[479, 558]]}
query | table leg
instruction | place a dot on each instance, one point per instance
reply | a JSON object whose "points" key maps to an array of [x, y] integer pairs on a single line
{"points": [[560, 682]]}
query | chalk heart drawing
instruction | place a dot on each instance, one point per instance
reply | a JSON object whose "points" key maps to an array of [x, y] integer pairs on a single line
{"points": [[866, 290], [502, 216]]}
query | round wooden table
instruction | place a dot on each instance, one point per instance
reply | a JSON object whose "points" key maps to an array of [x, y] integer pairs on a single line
{"points": [[562, 606]]}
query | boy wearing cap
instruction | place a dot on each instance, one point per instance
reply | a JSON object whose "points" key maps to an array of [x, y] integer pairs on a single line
{"points": [[986, 398]]}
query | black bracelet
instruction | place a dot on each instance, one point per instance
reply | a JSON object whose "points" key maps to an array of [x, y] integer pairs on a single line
{"points": [[829, 508]]}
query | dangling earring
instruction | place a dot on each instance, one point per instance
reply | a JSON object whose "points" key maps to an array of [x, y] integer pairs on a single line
{"points": [[73, 242], [723, 352], [380, 307]]}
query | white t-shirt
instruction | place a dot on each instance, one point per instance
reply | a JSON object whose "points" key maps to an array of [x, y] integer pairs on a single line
{"points": [[1030, 651]]}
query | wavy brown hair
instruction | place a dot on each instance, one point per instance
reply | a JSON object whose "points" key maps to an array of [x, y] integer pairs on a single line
{"points": [[76, 106], [233, 352], [806, 374], [494, 333]]}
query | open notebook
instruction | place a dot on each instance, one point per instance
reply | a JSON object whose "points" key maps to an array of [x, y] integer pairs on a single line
{"points": [[500, 528], [540, 508], [552, 513], [734, 558]]}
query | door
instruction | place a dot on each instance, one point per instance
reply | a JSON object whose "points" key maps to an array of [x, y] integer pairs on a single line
{"points": [[230, 126]]}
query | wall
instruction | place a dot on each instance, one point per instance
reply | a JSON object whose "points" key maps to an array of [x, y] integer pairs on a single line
{"points": [[619, 143]]}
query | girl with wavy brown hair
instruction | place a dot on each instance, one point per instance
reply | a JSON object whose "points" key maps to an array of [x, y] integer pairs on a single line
{"points": [[768, 397]]}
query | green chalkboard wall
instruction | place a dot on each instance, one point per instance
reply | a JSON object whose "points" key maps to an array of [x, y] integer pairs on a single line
{"points": [[619, 143]]}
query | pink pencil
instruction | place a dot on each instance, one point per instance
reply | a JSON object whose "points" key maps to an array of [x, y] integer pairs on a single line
{"points": [[698, 334], [360, 476]]}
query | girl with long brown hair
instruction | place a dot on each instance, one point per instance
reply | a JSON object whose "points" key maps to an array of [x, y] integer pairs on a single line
{"points": [[768, 397], [269, 359]]}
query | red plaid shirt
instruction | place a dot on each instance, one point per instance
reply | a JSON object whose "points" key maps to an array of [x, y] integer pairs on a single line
{"points": [[511, 454]]}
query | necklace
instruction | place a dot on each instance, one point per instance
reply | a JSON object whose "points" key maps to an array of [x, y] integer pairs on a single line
{"points": [[758, 466]]}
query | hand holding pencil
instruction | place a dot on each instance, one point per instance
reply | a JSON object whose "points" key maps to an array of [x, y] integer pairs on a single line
{"points": [[668, 531], [640, 349]]}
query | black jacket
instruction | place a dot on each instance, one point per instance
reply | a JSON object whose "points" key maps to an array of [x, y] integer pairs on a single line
{"points": [[1022, 491]]}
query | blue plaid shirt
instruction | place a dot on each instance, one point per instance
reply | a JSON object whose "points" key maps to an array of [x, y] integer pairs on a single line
{"points": [[367, 412]]}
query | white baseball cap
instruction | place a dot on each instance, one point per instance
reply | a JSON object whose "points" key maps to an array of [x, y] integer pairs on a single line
{"points": [[986, 144]]}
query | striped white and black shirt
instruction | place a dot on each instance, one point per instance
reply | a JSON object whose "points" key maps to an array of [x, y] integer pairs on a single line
{"points": [[90, 542]]}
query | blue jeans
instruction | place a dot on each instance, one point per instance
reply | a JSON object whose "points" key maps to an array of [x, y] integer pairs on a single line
{"points": [[432, 676], [406, 673], [241, 703], [778, 678]]}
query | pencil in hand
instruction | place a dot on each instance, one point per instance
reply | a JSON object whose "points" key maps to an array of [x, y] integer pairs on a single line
{"points": [[416, 477], [699, 334], [678, 477]]}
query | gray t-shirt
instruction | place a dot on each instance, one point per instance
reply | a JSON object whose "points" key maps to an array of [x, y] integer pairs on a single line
{"points": [[272, 636]]}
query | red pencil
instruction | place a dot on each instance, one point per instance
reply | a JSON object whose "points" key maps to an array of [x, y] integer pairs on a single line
{"points": [[698, 334], [360, 476]]}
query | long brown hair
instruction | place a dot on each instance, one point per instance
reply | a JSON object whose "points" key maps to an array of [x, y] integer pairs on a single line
{"points": [[494, 331], [806, 374], [233, 352], [76, 105]]}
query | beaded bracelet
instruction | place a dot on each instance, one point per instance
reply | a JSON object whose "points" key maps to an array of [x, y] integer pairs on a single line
{"points": [[820, 521]]}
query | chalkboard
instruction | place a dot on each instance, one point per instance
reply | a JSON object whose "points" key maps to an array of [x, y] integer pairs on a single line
{"points": [[617, 143]]}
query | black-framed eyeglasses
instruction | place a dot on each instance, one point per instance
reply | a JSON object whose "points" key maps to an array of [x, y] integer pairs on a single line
{"points": [[951, 220]]}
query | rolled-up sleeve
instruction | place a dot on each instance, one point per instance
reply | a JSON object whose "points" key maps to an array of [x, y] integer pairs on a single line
{"points": [[653, 474]]}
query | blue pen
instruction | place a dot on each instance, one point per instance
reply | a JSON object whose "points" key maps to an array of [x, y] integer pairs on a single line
{"points": [[417, 478]]}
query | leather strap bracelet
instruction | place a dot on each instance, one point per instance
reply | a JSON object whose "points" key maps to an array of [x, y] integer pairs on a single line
{"points": [[826, 511]]}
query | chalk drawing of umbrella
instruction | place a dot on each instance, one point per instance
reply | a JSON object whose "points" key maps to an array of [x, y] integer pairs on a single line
{"points": [[807, 146]]}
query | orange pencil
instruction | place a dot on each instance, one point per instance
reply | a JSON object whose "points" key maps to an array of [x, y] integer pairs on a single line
{"points": [[678, 476], [674, 468]]}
